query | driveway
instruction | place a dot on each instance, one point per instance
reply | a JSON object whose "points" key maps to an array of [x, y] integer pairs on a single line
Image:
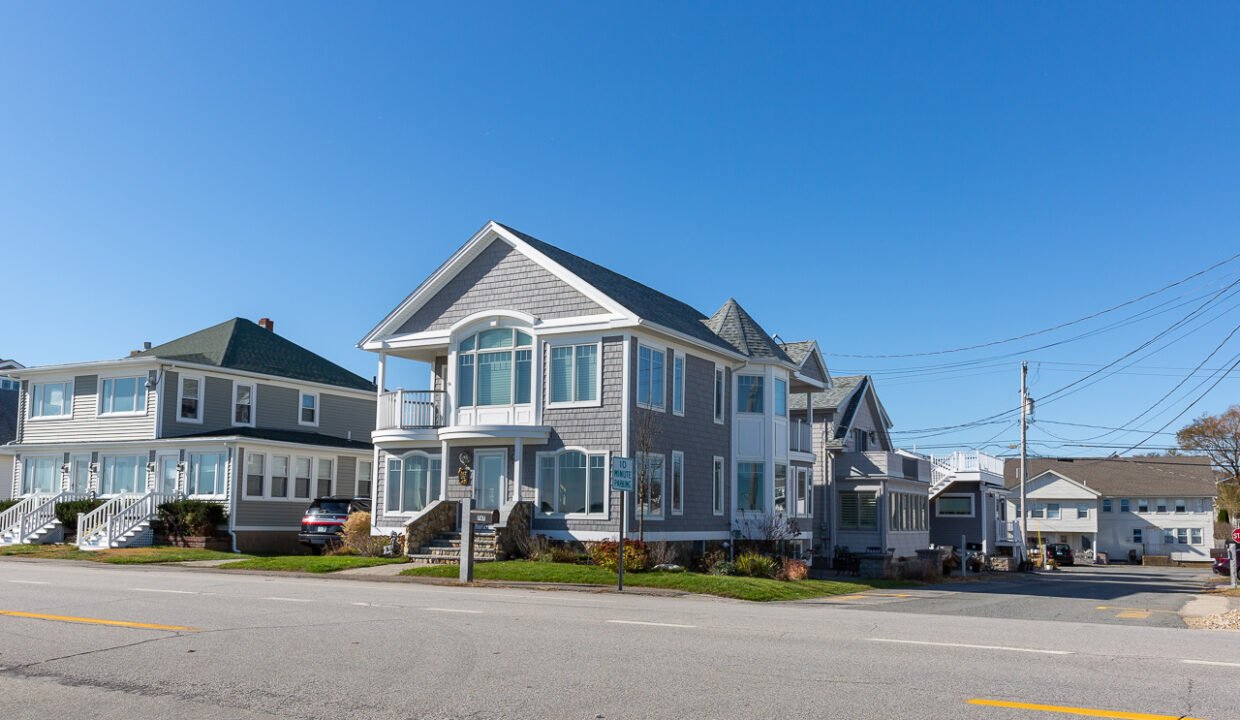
{"points": [[1112, 594]]}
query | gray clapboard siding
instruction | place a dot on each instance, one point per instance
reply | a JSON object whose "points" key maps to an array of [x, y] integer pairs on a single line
{"points": [[500, 277], [85, 425], [271, 513]]}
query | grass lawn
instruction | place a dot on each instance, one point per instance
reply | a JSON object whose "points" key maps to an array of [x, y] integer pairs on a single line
{"points": [[120, 556], [309, 563], [740, 588]]}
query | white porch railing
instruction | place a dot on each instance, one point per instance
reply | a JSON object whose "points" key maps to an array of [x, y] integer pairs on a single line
{"points": [[93, 525], [1006, 531], [412, 409], [968, 461], [801, 437], [134, 514], [42, 514], [11, 519]]}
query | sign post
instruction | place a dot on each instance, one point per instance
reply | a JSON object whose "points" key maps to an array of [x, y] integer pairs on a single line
{"points": [[1231, 555], [622, 480]]}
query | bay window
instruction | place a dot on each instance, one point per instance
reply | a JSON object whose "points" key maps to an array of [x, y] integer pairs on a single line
{"points": [[749, 398], [122, 474], [572, 482], [41, 475], [751, 487], [412, 482], [574, 374], [494, 367], [53, 399], [119, 396], [650, 377], [205, 476]]}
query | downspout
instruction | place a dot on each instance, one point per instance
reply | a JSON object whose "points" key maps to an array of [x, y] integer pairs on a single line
{"points": [[234, 458]]}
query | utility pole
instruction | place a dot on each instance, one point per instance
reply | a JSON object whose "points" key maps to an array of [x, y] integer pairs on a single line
{"points": [[1024, 457]]}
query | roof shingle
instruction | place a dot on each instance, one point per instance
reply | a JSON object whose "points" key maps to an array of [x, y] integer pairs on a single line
{"points": [[742, 332], [1191, 476]]}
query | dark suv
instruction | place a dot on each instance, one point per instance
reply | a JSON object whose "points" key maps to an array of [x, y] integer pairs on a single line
{"points": [[323, 522], [1060, 553]]}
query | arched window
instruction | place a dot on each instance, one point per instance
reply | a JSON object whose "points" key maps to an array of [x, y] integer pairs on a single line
{"points": [[572, 482], [412, 482], [494, 367]]}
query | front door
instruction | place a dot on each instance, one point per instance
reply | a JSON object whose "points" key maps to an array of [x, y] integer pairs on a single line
{"points": [[167, 480], [80, 474], [490, 473]]}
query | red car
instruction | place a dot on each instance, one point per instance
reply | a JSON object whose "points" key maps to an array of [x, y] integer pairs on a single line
{"points": [[1222, 566]]}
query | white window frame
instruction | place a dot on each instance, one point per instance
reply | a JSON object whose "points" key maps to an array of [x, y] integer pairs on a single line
{"points": [[677, 496], [318, 465], [69, 395], [1125, 505], [1082, 511], [454, 362], [572, 383], [555, 454], [142, 480], [265, 493], [1138, 536], [719, 393], [318, 408], [1058, 511], [289, 471], [141, 392], [1143, 502], [223, 470], [57, 462], [236, 386], [1179, 506], [798, 474], [718, 480], [310, 480], [357, 478], [736, 378], [780, 397], [650, 404], [202, 392], [642, 459], [1196, 536], [938, 511], [679, 378], [431, 457]]}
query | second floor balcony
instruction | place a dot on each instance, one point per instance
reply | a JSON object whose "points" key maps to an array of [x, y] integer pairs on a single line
{"points": [[881, 464], [412, 410]]}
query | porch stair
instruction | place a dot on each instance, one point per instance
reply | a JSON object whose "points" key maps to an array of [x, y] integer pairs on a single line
{"points": [[124, 521], [33, 520], [445, 548]]}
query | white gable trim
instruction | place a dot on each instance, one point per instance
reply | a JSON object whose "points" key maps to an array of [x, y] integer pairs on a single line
{"points": [[1040, 476]]}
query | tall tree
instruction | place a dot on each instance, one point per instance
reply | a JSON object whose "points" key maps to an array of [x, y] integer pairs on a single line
{"points": [[1218, 437]]}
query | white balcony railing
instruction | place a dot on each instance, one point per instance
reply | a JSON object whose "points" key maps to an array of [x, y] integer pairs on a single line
{"points": [[1006, 531], [412, 409], [801, 437], [969, 461]]}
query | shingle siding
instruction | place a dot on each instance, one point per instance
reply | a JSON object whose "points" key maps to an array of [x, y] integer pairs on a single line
{"points": [[500, 277]]}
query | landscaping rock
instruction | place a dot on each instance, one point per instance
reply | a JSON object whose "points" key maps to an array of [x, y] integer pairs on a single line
{"points": [[1222, 621]]}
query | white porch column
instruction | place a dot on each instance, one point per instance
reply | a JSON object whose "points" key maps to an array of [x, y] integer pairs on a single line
{"points": [[381, 378], [443, 470], [516, 470]]}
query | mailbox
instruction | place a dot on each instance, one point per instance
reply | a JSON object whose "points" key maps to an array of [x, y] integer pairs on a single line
{"points": [[483, 517]]}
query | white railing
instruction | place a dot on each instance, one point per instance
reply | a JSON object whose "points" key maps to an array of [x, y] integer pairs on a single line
{"points": [[11, 519], [801, 437], [44, 513], [412, 409], [95, 523], [136, 513], [1006, 531], [969, 461]]}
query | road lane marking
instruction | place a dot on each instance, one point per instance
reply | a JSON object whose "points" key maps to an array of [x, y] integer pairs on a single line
{"points": [[456, 610], [96, 621], [1122, 610], [159, 590], [30, 582], [1065, 710], [654, 624], [1132, 614], [974, 647], [1211, 662], [284, 599]]}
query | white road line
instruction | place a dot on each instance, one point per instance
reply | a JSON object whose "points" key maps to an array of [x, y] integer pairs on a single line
{"points": [[159, 590], [284, 599], [1211, 662], [455, 610], [974, 647], [654, 624], [30, 582]]}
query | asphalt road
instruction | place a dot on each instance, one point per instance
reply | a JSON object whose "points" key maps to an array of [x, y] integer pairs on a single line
{"points": [[279, 647]]}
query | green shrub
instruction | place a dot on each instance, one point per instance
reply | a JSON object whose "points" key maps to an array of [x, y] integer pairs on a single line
{"points": [[6, 504], [753, 564], [723, 567], [606, 553], [183, 518], [564, 553], [67, 512]]}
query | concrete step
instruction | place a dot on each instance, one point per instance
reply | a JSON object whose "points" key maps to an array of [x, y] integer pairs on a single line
{"points": [[440, 560]]}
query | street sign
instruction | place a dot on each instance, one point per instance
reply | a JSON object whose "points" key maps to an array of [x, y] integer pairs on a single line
{"points": [[622, 474], [1235, 534]]}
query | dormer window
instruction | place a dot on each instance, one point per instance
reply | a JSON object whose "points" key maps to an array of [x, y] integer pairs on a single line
{"points": [[494, 367]]}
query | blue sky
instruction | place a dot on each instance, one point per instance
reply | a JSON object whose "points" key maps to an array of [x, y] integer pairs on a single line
{"points": [[883, 178]]}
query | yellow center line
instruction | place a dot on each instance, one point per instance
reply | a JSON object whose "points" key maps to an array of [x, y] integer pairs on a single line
{"points": [[1087, 712], [97, 621]]}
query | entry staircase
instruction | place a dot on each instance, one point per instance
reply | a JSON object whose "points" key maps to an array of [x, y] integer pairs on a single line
{"points": [[33, 520], [445, 549], [122, 521]]}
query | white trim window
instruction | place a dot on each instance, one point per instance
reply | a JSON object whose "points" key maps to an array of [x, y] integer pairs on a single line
{"points": [[255, 474], [720, 385], [1138, 535], [189, 398], [751, 487], [326, 478], [802, 493], [954, 505], [494, 367], [572, 483], [781, 488], [678, 482], [51, 399], [79, 473], [575, 375], [122, 474], [412, 483], [303, 471], [365, 478], [650, 482], [1181, 506], [279, 477], [308, 409], [781, 397], [1052, 511], [205, 474], [1197, 535], [650, 378], [41, 474], [243, 395], [717, 484], [1143, 505], [678, 383], [749, 394], [122, 396], [858, 510]]}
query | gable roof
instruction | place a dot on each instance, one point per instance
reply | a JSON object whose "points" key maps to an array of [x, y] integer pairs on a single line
{"points": [[641, 300], [1191, 476], [742, 332], [239, 344], [841, 389], [808, 357], [799, 351]]}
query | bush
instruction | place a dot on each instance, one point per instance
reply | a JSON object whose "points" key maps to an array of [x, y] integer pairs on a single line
{"points": [[723, 567], [793, 570], [67, 512], [564, 553], [606, 553], [357, 540], [185, 518], [753, 564], [661, 552], [6, 504]]}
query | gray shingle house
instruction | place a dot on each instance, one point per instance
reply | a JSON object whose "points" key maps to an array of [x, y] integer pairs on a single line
{"points": [[544, 366], [233, 414]]}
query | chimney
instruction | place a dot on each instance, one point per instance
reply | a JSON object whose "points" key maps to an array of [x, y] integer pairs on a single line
{"points": [[267, 324], [146, 345]]}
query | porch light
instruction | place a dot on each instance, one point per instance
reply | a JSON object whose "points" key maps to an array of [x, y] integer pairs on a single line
{"points": [[150, 467], [64, 469]]}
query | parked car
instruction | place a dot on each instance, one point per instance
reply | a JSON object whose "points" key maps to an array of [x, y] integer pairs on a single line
{"points": [[1222, 566], [323, 522], [1061, 553]]}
